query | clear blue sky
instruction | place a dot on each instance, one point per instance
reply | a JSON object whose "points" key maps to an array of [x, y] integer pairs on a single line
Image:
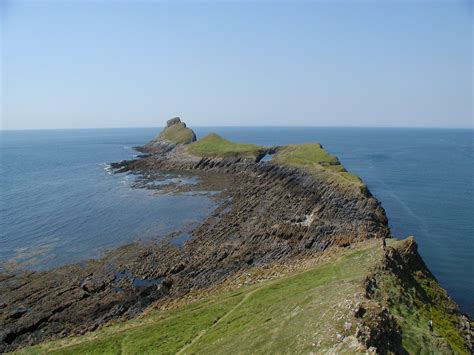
{"points": [[81, 64]]}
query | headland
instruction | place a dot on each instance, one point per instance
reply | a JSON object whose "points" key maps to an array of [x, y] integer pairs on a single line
{"points": [[295, 234]]}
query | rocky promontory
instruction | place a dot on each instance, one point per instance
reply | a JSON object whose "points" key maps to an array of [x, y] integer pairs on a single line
{"points": [[276, 205], [175, 133]]}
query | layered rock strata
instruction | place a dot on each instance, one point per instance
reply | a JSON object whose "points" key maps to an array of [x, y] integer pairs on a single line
{"points": [[270, 212]]}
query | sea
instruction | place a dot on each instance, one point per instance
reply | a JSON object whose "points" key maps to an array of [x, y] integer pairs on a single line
{"points": [[60, 203]]}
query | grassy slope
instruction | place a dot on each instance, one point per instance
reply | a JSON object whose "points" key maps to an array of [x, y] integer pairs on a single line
{"points": [[214, 145], [301, 312], [414, 297], [178, 134], [315, 158]]}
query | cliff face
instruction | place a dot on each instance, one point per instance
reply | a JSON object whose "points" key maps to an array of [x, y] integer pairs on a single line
{"points": [[407, 291]]}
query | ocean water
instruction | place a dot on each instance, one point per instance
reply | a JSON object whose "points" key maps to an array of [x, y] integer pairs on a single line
{"points": [[59, 204]]}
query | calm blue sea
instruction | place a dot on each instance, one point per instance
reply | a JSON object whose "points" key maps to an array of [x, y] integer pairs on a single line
{"points": [[59, 204]]}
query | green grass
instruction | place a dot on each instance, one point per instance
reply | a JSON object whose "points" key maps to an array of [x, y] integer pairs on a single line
{"points": [[290, 314], [214, 145], [314, 158], [178, 133], [305, 155], [165, 332]]}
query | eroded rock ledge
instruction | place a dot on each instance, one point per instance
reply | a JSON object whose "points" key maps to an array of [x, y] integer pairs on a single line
{"points": [[272, 212]]}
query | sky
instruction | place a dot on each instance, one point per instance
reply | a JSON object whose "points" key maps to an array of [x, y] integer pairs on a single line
{"points": [[90, 64]]}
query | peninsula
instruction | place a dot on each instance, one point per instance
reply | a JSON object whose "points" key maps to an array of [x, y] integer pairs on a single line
{"points": [[297, 257]]}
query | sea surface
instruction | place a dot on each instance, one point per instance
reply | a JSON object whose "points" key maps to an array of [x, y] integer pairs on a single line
{"points": [[59, 204]]}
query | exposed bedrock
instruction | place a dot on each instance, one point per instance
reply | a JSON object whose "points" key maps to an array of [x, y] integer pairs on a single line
{"points": [[282, 204], [274, 212]]}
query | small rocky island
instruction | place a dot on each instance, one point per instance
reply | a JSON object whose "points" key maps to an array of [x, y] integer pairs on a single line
{"points": [[297, 257]]}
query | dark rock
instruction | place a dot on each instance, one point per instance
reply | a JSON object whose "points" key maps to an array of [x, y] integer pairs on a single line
{"points": [[173, 121], [360, 311], [380, 330], [17, 313], [166, 283]]}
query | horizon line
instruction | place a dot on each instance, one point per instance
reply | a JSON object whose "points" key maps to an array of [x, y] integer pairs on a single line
{"points": [[237, 126]]}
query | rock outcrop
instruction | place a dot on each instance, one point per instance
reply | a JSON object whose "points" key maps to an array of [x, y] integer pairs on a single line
{"points": [[408, 297], [175, 133], [173, 121]]}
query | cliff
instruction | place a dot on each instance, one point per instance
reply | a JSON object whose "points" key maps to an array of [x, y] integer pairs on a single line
{"points": [[278, 206]]}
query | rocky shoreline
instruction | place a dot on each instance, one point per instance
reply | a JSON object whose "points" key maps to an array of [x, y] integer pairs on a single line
{"points": [[267, 212]]}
